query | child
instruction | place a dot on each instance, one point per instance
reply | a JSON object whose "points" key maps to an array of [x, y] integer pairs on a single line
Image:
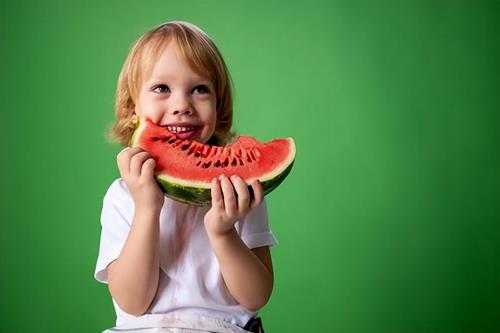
{"points": [[170, 266]]}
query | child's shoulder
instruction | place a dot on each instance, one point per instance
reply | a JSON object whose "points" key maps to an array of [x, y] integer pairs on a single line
{"points": [[117, 190]]}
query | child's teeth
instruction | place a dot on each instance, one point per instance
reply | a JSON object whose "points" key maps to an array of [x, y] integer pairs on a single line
{"points": [[178, 129]]}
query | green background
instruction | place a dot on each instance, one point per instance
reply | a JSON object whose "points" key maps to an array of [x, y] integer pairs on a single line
{"points": [[389, 219]]}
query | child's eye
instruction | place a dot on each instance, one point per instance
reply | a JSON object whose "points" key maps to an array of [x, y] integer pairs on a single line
{"points": [[162, 86], [204, 89]]}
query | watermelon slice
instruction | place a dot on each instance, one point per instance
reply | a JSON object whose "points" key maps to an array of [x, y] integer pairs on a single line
{"points": [[185, 168]]}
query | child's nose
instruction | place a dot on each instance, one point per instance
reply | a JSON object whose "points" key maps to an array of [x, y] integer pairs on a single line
{"points": [[188, 112], [181, 104]]}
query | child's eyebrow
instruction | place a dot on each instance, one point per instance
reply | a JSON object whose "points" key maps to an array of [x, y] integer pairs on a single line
{"points": [[194, 79]]}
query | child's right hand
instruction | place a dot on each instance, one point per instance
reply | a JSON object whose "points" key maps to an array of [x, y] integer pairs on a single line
{"points": [[137, 169]]}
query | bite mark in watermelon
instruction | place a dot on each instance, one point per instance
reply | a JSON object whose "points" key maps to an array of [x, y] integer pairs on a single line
{"points": [[185, 168]]}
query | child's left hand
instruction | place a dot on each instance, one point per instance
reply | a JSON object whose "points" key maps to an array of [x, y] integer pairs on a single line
{"points": [[228, 206]]}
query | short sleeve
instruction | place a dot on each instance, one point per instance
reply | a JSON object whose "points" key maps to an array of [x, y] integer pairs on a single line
{"points": [[116, 218], [255, 230]]}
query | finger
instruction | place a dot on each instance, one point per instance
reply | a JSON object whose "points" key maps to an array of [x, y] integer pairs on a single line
{"points": [[123, 159], [258, 192], [242, 193], [148, 168], [229, 196], [136, 163], [217, 200]]}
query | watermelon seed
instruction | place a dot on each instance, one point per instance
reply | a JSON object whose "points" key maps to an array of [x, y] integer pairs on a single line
{"points": [[172, 140], [252, 155], [155, 138], [176, 144], [213, 151], [197, 164], [206, 164], [234, 162], [196, 154], [217, 164], [193, 147], [225, 163], [241, 162], [206, 151], [249, 160], [185, 145]]}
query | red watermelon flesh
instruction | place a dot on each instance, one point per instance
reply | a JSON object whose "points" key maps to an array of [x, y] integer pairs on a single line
{"points": [[185, 168]]}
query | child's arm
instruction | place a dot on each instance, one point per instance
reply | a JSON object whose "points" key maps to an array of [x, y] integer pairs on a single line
{"points": [[133, 277], [248, 277]]}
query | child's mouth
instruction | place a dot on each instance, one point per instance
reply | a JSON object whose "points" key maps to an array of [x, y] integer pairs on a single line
{"points": [[184, 133]]}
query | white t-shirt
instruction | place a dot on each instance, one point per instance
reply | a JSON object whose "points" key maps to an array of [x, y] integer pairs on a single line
{"points": [[190, 278]]}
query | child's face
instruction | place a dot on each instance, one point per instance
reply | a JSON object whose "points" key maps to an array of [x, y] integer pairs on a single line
{"points": [[174, 95]]}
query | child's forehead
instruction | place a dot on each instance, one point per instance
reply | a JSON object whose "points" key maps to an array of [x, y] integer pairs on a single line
{"points": [[162, 70], [161, 61], [162, 76]]}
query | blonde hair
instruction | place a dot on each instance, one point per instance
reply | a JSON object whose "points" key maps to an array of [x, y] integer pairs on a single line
{"points": [[203, 57]]}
